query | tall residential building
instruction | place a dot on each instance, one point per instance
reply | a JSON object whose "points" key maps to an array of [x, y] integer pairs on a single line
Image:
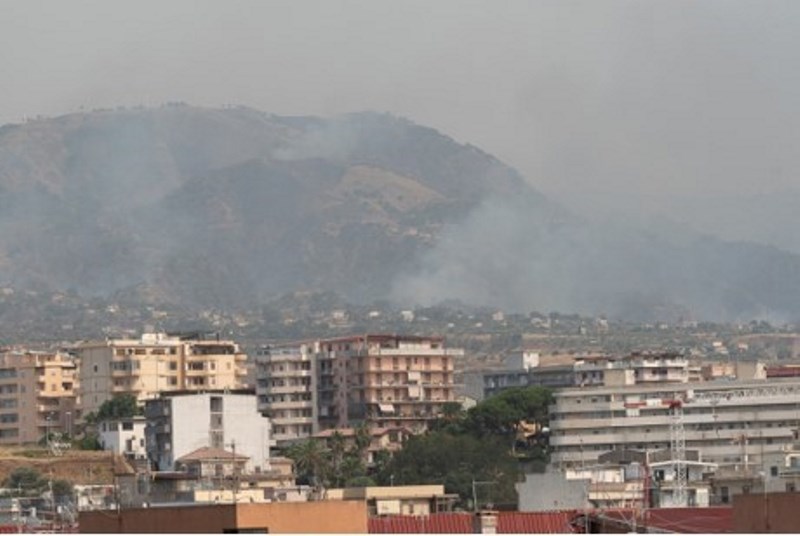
{"points": [[287, 390], [382, 380], [37, 395], [181, 423], [157, 363], [731, 423]]}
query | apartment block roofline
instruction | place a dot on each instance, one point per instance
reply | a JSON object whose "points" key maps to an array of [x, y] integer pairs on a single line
{"points": [[187, 392], [362, 337]]}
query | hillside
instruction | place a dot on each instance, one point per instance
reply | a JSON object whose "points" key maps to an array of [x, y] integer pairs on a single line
{"points": [[227, 208]]}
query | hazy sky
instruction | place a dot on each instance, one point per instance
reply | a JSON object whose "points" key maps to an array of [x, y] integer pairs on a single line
{"points": [[671, 97]]}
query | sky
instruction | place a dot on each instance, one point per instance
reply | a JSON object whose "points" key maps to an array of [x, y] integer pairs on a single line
{"points": [[599, 103]]}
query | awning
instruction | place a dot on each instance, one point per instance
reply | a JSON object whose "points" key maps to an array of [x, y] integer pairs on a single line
{"points": [[386, 408]]}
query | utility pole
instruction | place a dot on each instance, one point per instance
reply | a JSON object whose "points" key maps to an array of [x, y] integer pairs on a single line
{"points": [[475, 484], [235, 472]]}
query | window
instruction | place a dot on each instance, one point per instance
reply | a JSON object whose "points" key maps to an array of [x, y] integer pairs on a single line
{"points": [[127, 425]]}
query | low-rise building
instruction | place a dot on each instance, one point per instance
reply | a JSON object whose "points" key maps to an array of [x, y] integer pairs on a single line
{"points": [[124, 437], [348, 516], [380, 439], [398, 500]]}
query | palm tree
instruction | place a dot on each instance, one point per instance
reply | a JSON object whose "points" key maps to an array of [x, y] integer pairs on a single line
{"points": [[311, 461]]}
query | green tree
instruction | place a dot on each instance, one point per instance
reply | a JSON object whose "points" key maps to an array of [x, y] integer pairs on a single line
{"points": [[455, 461], [311, 462], [504, 413], [26, 481], [120, 407], [62, 491]]}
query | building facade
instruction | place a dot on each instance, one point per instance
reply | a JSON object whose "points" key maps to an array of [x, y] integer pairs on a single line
{"points": [[37, 395], [124, 437], [181, 423], [157, 363], [286, 385], [385, 381], [732, 423]]}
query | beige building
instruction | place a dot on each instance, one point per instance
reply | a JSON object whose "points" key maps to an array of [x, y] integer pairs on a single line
{"points": [[420, 500], [387, 381], [156, 363], [37, 395]]}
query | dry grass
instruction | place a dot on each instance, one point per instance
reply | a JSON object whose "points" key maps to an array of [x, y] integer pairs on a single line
{"points": [[77, 466]]}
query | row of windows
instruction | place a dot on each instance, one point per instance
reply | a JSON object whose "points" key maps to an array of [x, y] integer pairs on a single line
{"points": [[291, 397], [6, 418], [145, 351]]}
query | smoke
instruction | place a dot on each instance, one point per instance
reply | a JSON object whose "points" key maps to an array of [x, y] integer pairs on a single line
{"points": [[513, 254]]}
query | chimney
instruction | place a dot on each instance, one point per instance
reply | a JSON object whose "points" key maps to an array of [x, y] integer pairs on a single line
{"points": [[485, 522]]}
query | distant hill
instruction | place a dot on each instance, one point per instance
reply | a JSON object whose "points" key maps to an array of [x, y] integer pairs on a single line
{"points": [[224, 208]]}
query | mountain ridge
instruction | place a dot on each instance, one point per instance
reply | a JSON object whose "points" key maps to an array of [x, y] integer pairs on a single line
{"points": [[226, 207]]}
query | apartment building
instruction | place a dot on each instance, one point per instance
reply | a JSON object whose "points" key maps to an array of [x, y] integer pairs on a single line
{"points": [[37, 395], [157, 363], [728, 422], [557, 371], [182, 423], [287, 390], [640, 368], [387, 381]]}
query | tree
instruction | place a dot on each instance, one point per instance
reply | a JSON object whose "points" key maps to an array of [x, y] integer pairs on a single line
{"points": [[505, 413], [455, 461], [120, 407], [26, 481], [311, 462], [62, 491]]}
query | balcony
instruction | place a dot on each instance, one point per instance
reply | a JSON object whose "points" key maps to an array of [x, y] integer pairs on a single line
{"points": [[283, 389], [289, 374], [286, 421], [295, 404], [417, 352]]}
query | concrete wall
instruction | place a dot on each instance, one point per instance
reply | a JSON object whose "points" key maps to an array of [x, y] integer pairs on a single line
{"points": [[551, 491], [311, 517]]}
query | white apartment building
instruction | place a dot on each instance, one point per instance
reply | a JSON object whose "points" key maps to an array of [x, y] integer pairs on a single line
{"points": [[731, 423], [179, 424]]}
